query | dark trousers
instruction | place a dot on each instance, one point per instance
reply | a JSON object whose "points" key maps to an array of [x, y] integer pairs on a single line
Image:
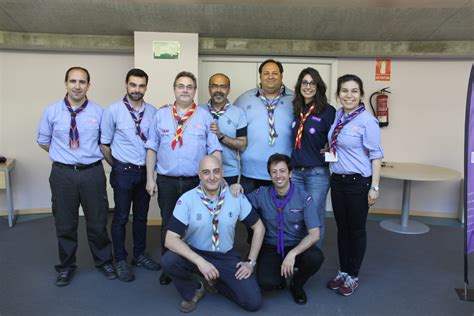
{"points": [[231, 180], [129, 182], [245, 293], [269, 266], [169, 191], [349, 196], [250, 184], [69, 189]]}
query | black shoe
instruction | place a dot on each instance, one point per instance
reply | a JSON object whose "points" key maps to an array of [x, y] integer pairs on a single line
{"points": [[298, 294], [164, 279], [64, 278], [145, 261], [108, 270], [282, 284], [124, 271]]}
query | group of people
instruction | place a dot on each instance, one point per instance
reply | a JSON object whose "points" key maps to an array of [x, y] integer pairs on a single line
{"points": [[267, 160]]}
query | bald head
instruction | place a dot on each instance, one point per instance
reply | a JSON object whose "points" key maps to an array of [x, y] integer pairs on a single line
{"points": [[210, 174], [209, 161]]}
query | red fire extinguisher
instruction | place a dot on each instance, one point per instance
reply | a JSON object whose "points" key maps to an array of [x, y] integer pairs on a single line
{"points": [[381, 107]]}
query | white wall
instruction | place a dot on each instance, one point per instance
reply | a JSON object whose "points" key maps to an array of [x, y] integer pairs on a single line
{"points": [[426, 118]]}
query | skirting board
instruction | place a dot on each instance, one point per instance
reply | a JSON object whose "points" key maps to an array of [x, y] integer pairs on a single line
{"points": [[157, 221]]}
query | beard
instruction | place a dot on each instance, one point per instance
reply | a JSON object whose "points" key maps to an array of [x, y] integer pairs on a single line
{"points": [[135, 96]]}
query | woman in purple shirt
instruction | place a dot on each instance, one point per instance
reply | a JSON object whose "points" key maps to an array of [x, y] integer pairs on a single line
{"points": [[355, 155]]}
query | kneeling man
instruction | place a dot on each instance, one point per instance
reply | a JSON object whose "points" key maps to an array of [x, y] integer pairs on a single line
{"points": [[200, 237], [291, 231]]}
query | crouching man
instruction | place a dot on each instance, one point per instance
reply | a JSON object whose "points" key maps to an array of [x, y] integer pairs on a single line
{"points": [[200, 237]]}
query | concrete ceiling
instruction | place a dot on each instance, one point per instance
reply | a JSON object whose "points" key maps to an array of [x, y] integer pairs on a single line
{"points": [[346, 20]]}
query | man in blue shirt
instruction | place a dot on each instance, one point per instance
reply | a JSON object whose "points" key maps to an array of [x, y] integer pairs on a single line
{"points": [[269, 113], [69, 132], [200, 237], [124, 132], [230, 125], [292, 228], [179, 137]]}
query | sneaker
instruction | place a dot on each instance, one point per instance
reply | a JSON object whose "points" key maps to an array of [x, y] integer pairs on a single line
{"points": [[145, 261], [108, 270], [338, 281], [189, 306], [64, 278], [124, 271], [349, 286]]}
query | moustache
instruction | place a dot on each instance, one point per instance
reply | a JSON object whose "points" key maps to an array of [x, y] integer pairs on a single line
{"points": [[218, 94]]}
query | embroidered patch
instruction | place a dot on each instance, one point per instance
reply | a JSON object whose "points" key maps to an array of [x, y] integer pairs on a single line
{"points": [[312, 130], [315, 118], [296, 210], [164, 130], [229, 122], [93, 120], [309, 198], [179, 202], [230, 214], [249, 107], [297, 226], [198, 216]]}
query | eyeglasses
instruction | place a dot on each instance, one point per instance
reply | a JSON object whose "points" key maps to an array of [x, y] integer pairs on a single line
{"points": [[218, 86], [311, 84], [182, 87]]}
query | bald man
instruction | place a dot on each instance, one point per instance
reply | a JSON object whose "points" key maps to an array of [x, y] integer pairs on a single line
{"points": [[200, 238], [230, 125]]}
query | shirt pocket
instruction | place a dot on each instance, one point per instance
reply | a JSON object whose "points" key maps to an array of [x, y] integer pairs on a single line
{"points": [[295, 216], [89, 130], [61, 132], [350, 136], [196, 141]]}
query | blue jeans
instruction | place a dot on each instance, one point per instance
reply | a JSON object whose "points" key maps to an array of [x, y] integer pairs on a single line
{"points": [[128, 182], [315, 181]]}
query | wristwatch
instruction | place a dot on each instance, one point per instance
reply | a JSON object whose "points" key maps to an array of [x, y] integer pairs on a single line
{"points": [[375, 188], [252, 262]]}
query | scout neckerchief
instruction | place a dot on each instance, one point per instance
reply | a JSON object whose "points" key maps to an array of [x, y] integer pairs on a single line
{"points": [[216, 114], [136, 120], [303, 119], [178, 136], [270, 105], [73, 132], [280, 204], [340, 125], [214, 212]]}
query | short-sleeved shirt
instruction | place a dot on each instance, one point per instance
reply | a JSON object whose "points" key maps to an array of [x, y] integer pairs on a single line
{"points": [[232, 123], [299, 215], [54, 131], [191, 212], [118, 129], [314, 138], [198, 141], [255, 156], [358, 144]]}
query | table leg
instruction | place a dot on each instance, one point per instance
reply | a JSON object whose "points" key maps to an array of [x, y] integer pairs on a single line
{"points": [[405, 226], [10, 208]]}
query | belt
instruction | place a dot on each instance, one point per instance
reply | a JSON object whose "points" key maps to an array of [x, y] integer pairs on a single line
{"points": [[308, 168], [179, 177], [77, 166], [354, 176], [129, 165]]}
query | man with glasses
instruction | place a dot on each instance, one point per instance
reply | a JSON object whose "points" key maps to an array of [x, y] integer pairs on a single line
{"points": [[230, 125], [179, 137], [269, 113], [124, 132]]}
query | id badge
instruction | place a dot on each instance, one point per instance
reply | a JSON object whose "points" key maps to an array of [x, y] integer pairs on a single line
{"points": [[330, 157]]}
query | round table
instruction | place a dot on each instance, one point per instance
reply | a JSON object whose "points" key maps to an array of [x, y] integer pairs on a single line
{"points": [[409, 172]]}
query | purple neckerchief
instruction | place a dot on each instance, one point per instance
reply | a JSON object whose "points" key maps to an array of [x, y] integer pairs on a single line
{"points": [[280, 204], [73, 132], [136, 120], [340, 125]]}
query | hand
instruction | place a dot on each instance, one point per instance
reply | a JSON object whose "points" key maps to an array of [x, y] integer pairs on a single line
{"points": [[287, 267], [324, 149], [373, 195], [208, 270], [151, 187], [245, 270], [215, 129], [236, 189]]}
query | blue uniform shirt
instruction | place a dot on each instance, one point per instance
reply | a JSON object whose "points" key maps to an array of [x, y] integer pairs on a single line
{"points": [[358, 144], [315, 136], [198, 141], [255, 156], [54, 131], [118, 129], [194, 214], [232, 123], [299, 215]]}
